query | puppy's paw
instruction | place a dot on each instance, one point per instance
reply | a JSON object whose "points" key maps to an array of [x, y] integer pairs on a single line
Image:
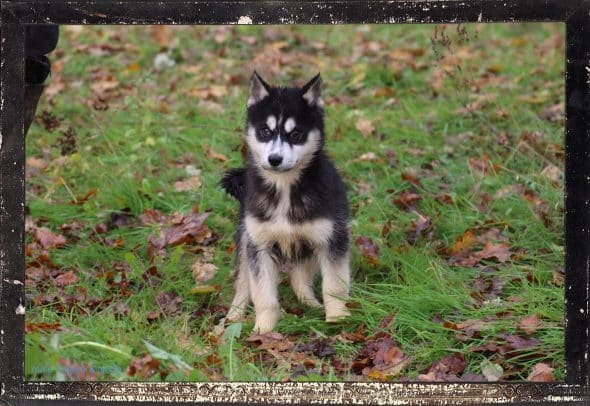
{"points": [[311, 302], [266, 321], [234, 316], [336, 313]]}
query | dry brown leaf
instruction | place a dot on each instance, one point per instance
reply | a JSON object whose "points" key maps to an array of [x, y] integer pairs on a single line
{"points": [[37, 163], [47, 238], [464, 243], [66, 278], [216, 155], [192, 183], [101, 87], [529, 324], [203, 272], [541, 372], [368, 249], [161, 34], [553, 173], [553, 113], [407, 200]]}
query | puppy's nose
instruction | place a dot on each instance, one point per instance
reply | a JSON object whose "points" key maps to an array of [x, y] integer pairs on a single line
{"points": [[275, 160]]}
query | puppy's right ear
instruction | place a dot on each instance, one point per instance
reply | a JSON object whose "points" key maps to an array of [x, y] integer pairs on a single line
{"points": [[259, 89]]}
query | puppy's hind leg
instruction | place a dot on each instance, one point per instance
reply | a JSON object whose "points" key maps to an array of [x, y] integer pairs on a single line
{"points": [[302, 281], [335, 285]]}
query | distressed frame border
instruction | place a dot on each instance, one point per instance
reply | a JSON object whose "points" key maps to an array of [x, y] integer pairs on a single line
{"points": [[576, 15]]}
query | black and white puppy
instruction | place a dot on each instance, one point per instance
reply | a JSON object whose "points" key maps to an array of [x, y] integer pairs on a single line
{"points": [[293, 206]]}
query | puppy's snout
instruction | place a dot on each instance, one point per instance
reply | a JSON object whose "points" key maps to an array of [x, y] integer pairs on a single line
{"points": [[275, 160]]}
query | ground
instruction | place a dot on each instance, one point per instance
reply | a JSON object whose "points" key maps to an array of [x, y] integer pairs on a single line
{"points": [[450, 141]]}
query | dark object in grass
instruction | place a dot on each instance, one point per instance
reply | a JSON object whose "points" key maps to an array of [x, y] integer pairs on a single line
{"points": [[67, 142], [120, 219], [320, 348]]}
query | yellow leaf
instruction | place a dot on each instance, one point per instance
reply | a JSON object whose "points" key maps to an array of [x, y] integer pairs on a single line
{"points": [[203, 289], [132, 67]]}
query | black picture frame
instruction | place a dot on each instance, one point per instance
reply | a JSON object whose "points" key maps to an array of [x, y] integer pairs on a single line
{"points": [[574, 13]]}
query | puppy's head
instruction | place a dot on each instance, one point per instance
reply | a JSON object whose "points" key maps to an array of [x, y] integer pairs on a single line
{"points": [[285, 126]]}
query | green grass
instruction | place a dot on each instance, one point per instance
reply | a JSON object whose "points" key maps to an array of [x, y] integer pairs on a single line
{"points": [[134, 151]]}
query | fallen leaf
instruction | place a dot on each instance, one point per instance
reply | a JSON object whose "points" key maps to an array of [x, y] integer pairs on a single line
{"points": [[553, 173], [84, 198], [411, 177], [321, 348], [144, 367], [202, 271], [104, 86], [365, 127], [48, 239], [152, 315], [367, 156], [36, 163], [499, 251], [464, 243], [161, 34], [192, 183], [169, 303], [420, 227], [558, 277], [216, 155], [483, 165], [555, 112], [120, 219], [49, 121], [368, 249], [31, 327], [185, 230], [529, 324], [541, 372], [407, 200], [65, 279], [271, 341], [77, 372], [515, 343], [202, 289], [492, 372], [380, 354], [446, 369]]}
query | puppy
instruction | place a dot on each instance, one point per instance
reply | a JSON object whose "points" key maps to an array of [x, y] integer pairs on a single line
{"points": [[293, 206]]}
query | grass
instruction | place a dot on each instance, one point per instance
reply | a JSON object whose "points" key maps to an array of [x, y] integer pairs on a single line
{"points": [[157, 123]]}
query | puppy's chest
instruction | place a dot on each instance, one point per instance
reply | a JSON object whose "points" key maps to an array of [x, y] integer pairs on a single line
{"points": [[286, 238]]}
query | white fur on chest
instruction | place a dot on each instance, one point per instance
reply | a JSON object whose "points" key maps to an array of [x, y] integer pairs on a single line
{"points": [[281, 231]]}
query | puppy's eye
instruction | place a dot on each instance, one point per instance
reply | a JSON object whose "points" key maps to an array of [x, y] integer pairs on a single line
{"points": [[296, 136], [265, 133]]}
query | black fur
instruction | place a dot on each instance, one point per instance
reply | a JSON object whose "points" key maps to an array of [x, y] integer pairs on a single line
{"points": [[234, 183]]}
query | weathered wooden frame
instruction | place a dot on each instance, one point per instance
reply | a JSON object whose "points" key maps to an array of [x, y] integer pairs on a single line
{"points": [[576, 15]]}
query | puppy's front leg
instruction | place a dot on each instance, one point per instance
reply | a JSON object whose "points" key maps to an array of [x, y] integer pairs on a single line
{"points": [[264, 280], [335, 285], [242, 288]]}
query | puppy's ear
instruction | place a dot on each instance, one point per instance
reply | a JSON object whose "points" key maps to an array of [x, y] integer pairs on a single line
{"points": [[312, 92], [259, 89]]}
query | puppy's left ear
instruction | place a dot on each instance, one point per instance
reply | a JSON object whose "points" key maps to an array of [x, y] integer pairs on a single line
{"points": [[259, 89], [312, 92]]}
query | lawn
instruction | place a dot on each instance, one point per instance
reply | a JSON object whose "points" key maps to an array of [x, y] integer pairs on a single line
{"points": [[450, 142]]}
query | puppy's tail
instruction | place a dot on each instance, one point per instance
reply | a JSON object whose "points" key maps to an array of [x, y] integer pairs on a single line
{"points": [[234, 183]]}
